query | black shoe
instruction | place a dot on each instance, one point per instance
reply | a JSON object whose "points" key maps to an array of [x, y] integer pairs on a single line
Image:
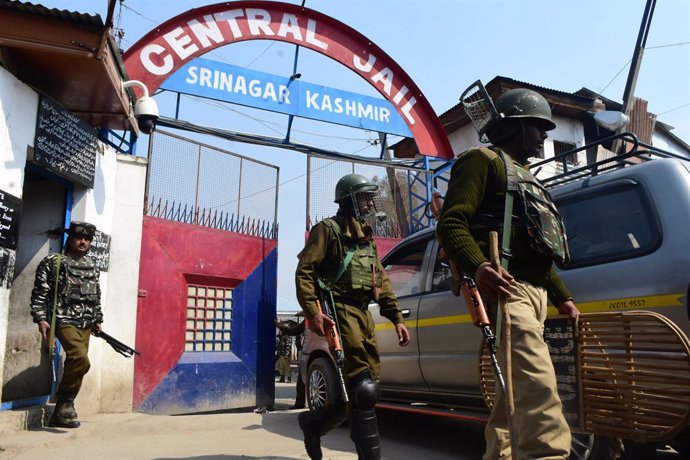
{"points": [[66, 410], [297, 406], [60, 422], [312, 438]]}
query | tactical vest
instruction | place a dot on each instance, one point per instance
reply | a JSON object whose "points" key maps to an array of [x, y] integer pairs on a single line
{"points": [[533, 210], [81, 281], [542, 220], [357, 278]]}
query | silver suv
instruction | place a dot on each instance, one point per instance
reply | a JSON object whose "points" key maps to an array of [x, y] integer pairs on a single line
{"points": [[627, 231]]}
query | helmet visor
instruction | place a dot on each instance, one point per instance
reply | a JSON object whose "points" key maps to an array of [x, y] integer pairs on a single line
{"points": [[367, 204]]}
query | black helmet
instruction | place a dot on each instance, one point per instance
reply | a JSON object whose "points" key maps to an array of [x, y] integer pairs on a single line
{"points": [[524, 103], [81, 229], [350, 189]]}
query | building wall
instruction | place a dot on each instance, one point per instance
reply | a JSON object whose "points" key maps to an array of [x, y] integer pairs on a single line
{"points": [[18, 110], [115, 206], [665, 142]]}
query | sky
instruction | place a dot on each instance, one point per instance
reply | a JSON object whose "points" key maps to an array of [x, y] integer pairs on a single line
{"points": [[444, 46]]}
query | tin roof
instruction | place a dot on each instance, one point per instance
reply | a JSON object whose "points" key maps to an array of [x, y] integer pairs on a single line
{"points": [[69, 56]]}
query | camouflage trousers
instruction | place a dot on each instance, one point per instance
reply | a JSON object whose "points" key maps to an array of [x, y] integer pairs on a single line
{"points": [[75, 342], [541, 429]]}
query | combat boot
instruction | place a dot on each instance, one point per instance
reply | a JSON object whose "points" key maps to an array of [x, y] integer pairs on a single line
{"points": [[59, 421], [312, 436], [66, 410]]}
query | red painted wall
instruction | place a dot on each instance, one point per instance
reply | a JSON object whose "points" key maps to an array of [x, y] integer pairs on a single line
{"points": [[174, 254], [384, 245]]}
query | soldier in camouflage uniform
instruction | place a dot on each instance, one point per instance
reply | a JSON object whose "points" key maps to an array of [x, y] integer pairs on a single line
{"points": [[284, 352], [361, 280], [474, 206], [294, 329], [77, 309]]}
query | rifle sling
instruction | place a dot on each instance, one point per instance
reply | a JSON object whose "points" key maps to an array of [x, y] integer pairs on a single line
{"points": [[53, 316], [511, 189]]}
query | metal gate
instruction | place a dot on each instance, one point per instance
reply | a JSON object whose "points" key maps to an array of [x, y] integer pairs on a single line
{"points": [[207, 281]]}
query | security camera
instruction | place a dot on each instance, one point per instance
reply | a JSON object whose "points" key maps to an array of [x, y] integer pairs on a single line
{"points": [[145, 109]]}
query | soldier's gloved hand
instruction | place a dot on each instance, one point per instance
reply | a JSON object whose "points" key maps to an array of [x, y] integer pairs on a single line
{"points": [[319, 323], [491, 283], [44, 329]]}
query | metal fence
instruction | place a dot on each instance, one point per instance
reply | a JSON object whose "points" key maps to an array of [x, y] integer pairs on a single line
{"points": [[405, 192], [199, 184]]}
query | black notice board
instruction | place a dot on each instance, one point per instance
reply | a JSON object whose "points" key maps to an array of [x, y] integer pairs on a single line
{"points": [[64, 144], [10, 213], [559, 334], [100, 250]]}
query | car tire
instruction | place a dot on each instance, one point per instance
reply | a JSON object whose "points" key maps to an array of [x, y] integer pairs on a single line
{"points": [[586, 446], [322, 384]]}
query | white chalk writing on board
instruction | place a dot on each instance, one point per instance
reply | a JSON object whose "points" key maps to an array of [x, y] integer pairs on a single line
{"points": [[64, 143]]}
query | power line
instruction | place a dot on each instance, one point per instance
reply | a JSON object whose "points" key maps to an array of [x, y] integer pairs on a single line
{"points": [[667, 46], [676, 108], [616, 76]]}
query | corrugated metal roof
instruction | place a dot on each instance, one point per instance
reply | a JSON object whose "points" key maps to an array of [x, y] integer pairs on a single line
{"points": [[40, 10], [524, 84]]}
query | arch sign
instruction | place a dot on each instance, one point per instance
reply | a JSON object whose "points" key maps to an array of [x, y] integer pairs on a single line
{"points": [[164, 50]]}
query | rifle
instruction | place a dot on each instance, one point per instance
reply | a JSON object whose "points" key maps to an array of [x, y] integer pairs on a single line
{"points": [[124, 350], [335, 344]]}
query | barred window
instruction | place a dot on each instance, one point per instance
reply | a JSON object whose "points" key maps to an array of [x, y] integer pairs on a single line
{"points": [[209, 318], [562, 147]]}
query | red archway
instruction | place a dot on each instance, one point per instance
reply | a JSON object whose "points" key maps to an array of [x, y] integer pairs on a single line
{"points": [[165, 49]]}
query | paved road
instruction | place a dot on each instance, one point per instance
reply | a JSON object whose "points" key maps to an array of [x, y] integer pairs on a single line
{"points": [[243, 435], [236, 435]]}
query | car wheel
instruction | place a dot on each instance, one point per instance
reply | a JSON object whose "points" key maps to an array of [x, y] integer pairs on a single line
{"points": [[322, 384], [586, 446]]}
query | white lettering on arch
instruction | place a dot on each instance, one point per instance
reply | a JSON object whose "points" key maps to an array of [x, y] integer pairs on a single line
{"points": [[384, 76], [157, 50], [405, 109], [259, 21], [311, 35], [208, 30], [231, 16], [289, 25], [364, 67], [180, 43]]}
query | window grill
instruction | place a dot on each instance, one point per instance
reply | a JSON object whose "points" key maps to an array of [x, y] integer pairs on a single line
{"points": [[209, 318], [562, 147]]}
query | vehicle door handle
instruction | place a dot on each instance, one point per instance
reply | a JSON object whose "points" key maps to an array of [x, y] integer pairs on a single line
{"points": [[406, 312]]}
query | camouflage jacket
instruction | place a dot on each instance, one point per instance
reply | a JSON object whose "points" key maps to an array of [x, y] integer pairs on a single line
{"points": [[79, 292], [284, 345]]}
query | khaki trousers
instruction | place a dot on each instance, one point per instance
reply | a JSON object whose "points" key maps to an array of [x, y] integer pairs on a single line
{"points": [[542, 432], [284, 366], [75, 342]]}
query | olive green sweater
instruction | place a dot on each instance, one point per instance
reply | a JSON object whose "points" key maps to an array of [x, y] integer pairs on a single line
{"points": [[476, 191]]}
